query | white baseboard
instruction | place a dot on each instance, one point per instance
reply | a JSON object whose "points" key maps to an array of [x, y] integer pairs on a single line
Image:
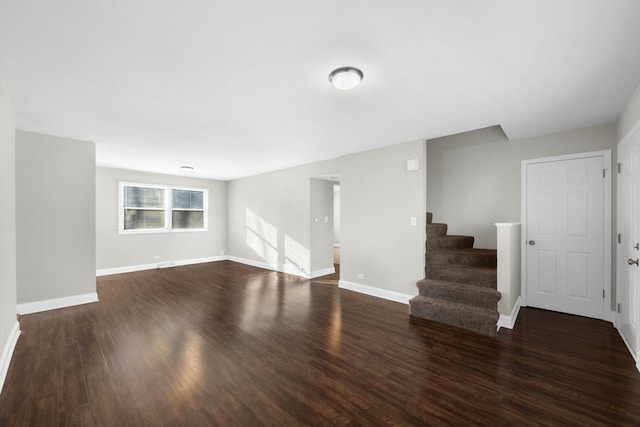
{"points": [[252, 263], [615, 319], [510, 321], [7, 352], [164, 264], [286, 268], [616, 322], [55, 303], [323, 272], [376, 292]]}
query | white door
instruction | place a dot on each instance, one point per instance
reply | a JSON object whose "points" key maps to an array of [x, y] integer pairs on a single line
{"points": [[565, 236], [629, 242]]}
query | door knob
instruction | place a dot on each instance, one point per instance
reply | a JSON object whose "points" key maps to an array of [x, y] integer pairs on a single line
{"points": [[637, 247], [632, 261], [531, 242]]}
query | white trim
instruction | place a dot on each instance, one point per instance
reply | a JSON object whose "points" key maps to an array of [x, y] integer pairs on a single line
{"points": [[192, 261], [127, 269], [294, 270], [510, 321], [507, 224], [615, 319], [633, 354], [252, 263], [376, 292], [55, 303], [323, 272], [7, 352], [142, 267], [286, 268], [607, 200]]}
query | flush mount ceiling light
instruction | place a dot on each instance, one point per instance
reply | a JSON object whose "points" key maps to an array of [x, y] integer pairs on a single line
{"points": [[186, 168], [346, 78]]}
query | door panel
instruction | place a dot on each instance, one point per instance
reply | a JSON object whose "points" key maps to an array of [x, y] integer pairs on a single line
{"points": [[628, 218], [565, 235]]}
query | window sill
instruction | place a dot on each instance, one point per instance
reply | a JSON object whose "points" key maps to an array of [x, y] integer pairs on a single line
{"points": [[161, 231]]}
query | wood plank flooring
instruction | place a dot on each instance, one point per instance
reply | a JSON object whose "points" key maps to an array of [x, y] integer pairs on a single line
{"points": [[231, 345]]}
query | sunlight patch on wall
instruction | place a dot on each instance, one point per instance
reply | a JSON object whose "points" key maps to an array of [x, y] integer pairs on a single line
{"points": [[297, 255], [262, 238]]}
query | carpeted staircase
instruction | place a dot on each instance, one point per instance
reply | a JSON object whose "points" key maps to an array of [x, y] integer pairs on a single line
{"points": [[460, 287]]}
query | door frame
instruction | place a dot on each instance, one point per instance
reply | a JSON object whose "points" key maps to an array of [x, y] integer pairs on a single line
{"points": [[606, 155], [624, 142]]}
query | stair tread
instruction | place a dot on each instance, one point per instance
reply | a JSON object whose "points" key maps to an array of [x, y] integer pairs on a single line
{"points": [[481, 270], [454, 305], [449, 236], [478, 276], [467, 286], [464, 257], [477, 251], [480, 320]]}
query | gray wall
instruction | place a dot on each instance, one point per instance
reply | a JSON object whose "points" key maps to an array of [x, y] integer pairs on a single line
{"points": [[7, 219], [630, 115], [321, 231], [378, 198], [56, 221], [270, 216], [474, 177], [115, 250]]}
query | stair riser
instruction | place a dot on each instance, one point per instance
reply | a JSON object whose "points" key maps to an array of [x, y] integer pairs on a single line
{"points": [[448, 243], [481, 324], [481, 278], [473, 297], [436, 230], [462, 259]]}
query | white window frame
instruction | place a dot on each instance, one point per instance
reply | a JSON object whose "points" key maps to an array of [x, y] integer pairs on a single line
{"points": [[168, 209]]}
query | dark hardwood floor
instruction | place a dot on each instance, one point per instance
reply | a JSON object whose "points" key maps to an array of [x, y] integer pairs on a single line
{"points": [[231, 345]]}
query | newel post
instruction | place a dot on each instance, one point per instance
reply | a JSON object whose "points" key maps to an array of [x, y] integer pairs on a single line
{"points": [[508, 246]]}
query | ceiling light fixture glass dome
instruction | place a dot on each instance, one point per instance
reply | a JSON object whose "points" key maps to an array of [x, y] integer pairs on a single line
{"points": [[346, 78]]}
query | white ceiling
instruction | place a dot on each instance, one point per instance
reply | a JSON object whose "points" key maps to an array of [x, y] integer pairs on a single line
{"points": [[236, 88]]}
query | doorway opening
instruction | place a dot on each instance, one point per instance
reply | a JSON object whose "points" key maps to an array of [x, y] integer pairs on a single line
{"points": [[336, 227], [325, 227]]}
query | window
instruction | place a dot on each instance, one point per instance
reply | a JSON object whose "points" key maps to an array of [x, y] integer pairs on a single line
{"points": [[147, 208]]}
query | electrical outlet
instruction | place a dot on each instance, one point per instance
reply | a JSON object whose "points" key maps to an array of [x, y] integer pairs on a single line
{"points": [[156, 257], [222, 253], [360, 276]]}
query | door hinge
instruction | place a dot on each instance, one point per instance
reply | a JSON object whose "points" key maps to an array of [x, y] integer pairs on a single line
{"points": [[619, 238], [619, 167], [619, 308], [604, 173], [603, 293]]}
